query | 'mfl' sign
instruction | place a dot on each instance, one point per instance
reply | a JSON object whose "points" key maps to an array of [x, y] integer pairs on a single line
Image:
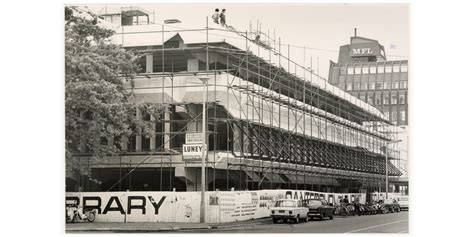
{"points": [[113, 204], [362, 51]]}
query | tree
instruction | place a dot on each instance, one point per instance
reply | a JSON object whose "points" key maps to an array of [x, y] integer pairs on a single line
{"points": [[98, 107]]}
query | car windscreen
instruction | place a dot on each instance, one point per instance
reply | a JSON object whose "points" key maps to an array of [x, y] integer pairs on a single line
{"points": [[314, 203], [285, 204]]}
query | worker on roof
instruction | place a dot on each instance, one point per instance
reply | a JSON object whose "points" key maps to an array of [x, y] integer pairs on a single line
{"points": [[215, 16], [222, 17]]}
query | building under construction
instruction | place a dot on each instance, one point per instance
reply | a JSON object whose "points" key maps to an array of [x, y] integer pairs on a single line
{"points": [[272, 122]]}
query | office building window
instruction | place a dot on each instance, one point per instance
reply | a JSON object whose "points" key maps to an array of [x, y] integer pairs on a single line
{"points": [[388, 69], [372, 86], [401, 99], [394, 116], [404, 68], [403, 84], [365, 70], [370, 99], [380, 69], [373, 69], [386, 99], [378, 99], [386, 85], [358, 70], [402, 116], [387, 114], [378, 85], [342, 71], [349, 86], [350, 70], [396, 68], [356, 86], [362, 96], [394, 99], [395, 85], [363, 86]]}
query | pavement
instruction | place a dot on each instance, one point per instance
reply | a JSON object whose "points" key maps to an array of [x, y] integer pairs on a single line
{"points": [[144, 227]]}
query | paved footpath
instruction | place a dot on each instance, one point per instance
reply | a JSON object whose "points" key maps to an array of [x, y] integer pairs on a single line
{"points": [[138, 227]]}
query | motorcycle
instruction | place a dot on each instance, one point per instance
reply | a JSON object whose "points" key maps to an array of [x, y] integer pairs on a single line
{"points": [[76, 214]]}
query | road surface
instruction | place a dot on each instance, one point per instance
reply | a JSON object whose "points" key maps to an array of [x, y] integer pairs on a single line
{"points": [[381, 223]]}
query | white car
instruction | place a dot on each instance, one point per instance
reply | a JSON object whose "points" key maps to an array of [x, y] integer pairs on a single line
{"points": [[289, 209], [403, 201]]}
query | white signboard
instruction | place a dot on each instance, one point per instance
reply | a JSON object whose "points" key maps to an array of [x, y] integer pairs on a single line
{"points": [[192, 149], [193, 138]]}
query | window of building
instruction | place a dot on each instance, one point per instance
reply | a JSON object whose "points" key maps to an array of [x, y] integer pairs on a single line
{"points": [[342, 71], [388, 69], [358, 70], [402, 116], [373, 69], [363, 86], [396, 68], [372, 86], [404, 68], [350, 70], [395, 85], [386, 99], [378, 99], [362, 96], [356, 86], [386, 85], [378, 85], [401, 99], [365, 70], [403, 84], [394, 99], [370, 99], [380, 69], [394, 116], [349, 86], [145, 143]]}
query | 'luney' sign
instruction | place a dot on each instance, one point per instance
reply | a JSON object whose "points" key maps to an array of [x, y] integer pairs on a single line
{"points": [[192, 149]]}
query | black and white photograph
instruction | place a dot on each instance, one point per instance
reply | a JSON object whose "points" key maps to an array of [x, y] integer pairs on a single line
{"points": [[237, 118]]}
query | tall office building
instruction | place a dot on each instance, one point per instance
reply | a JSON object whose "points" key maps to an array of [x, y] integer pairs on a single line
{"points": [[363, 71]]}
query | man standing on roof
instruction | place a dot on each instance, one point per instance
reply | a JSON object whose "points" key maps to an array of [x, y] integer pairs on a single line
{"points": [[222, 17], [215, 16]]}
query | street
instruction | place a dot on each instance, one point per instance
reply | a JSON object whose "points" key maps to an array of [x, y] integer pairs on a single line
{"points": [[388, 223]]}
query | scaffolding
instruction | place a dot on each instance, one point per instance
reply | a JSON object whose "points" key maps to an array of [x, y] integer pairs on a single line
{"points": [[273, 123]]}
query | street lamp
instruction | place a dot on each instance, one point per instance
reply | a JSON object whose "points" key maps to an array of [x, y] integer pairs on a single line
{"points": [[202, 218], [386, 166]]}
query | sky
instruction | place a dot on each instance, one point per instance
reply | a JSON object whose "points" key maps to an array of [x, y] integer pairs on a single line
{"points": [[323, 27]]}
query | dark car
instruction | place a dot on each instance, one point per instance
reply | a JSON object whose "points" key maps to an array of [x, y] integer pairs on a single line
{"points": [[319, 208]]}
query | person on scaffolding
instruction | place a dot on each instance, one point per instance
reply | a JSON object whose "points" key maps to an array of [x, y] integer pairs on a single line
{"points": [[215, 16], [222, 17]]}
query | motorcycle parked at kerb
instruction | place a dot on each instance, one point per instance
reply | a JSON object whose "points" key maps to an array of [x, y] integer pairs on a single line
{"points": [[75, 213]]}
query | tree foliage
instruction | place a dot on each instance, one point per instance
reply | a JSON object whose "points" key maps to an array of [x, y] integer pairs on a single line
{"points": [[98, 106]]}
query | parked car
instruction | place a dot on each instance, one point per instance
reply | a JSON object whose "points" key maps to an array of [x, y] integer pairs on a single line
{"points": [[319, 208], [289, 209], [403, 202]]}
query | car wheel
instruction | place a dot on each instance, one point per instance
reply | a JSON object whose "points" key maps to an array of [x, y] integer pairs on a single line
{"points": [[275, 220], [91, 217]]}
